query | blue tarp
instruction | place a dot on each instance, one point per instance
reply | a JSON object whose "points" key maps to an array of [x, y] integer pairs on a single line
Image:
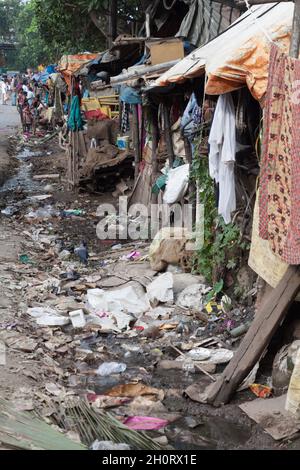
{"points": [[130, 95]]}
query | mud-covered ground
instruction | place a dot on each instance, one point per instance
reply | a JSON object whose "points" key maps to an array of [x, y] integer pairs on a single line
{"points": [[65, 359]]}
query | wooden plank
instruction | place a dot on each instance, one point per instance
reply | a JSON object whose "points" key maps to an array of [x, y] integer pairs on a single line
{"points": [[265, 324]]}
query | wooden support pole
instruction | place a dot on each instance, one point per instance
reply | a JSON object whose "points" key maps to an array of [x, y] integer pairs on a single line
{"points": [[268, 319], [192, 185], [136, 140], [168, 135], [155, 137]]}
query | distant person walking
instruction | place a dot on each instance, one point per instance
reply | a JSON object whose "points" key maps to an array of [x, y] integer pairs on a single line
{"points": [[4, 91]]}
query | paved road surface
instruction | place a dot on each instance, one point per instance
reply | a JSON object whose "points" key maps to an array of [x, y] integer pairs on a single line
{"points": [[9, 123], [9, 119]]}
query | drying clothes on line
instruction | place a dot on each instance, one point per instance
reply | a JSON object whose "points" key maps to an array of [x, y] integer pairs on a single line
{"points": [[279, 198], [222, 142]]}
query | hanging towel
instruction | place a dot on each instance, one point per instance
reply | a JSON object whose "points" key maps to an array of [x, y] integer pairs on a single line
{"points": [[75, 122], [222, 142]]}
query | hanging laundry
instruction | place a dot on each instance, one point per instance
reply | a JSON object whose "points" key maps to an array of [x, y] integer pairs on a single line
{"points": [[125, 125], [191, 118], [222, 142], [279, 197], [75, 122]]}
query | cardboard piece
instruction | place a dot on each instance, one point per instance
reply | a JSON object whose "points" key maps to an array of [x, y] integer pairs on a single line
{"points": [[272, 416], [165, 51]]}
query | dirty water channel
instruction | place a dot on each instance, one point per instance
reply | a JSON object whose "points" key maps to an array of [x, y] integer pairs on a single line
{"points": [[22, 178]]}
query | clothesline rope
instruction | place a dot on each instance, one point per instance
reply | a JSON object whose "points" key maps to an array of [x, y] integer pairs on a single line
{"points": [[249, 8]]}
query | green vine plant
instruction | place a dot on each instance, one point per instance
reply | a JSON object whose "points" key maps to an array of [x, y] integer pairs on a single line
{"points": [[223, 249]]}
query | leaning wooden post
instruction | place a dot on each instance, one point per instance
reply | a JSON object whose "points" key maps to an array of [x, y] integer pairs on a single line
{"points": [[273, 310], [136, 140], [269, 317]]}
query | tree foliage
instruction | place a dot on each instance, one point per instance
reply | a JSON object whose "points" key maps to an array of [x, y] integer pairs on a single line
{"points": [[47, 29], [9, 11]]}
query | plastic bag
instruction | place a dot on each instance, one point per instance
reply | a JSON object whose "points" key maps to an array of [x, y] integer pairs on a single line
{"points": [[110, 368], [177, 185]]}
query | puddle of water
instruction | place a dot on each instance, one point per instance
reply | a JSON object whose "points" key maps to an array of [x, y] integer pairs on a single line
{"points": [[23, 178]]}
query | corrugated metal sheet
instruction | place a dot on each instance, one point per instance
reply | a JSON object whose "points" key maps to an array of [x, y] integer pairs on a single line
{"points": [[205, 20], [240, 55]]}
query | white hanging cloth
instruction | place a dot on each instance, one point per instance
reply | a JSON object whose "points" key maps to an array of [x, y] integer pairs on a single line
{"points": [[222, 140]]}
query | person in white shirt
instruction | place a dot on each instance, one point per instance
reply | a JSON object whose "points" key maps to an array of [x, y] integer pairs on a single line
{"points": [[30, 96], [4, 92]]}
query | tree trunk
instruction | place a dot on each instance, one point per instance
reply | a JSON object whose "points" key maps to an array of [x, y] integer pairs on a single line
{"points": [[112, 22]]}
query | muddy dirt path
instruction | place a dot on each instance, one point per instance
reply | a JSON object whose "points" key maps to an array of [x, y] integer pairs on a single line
{"points": [[9, 123]]}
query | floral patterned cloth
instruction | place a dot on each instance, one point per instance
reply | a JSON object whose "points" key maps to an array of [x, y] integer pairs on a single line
{"points": [[279, 198]]}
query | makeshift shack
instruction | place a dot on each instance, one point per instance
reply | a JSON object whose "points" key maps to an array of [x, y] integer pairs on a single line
{"points": [[252, 53]]}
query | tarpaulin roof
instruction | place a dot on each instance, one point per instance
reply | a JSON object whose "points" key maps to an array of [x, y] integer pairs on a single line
{"points": [[240, 55], [70, 64]]}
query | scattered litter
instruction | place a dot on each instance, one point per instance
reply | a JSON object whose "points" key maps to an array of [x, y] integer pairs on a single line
{"points": [[108, 445], [261, 391], [25, 259], [240, 330], [46, 177], [46, 212], [117, 247], [161, 290], [250, 379], [109, 368], [214, 356], [10, 211], [47, 317], [64, 255], [135, 390], [78, 319], [82, 252], [104, 402], [129, 299], [145, 423], [193, 297], [133, 255], [73, 212], [183, 365]]}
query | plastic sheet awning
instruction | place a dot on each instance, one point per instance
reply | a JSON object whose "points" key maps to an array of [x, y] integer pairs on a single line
{"points": [[240, 55]]}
